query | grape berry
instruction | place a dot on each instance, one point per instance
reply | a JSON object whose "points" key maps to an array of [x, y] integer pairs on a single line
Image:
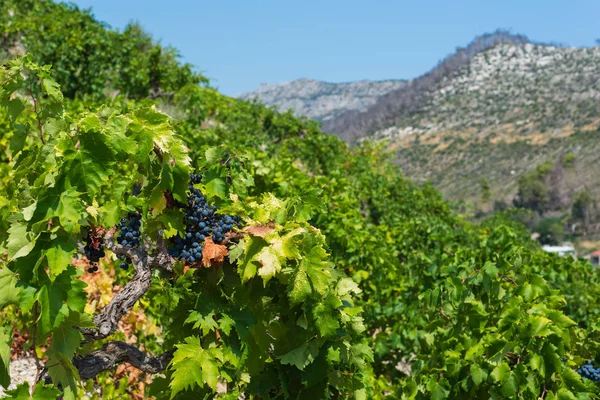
{"points": [[201, 222], [94, 250], [588, 371], [129, 235]]}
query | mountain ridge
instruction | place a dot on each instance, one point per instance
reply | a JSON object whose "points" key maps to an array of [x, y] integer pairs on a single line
{"points": [[322, 100]]}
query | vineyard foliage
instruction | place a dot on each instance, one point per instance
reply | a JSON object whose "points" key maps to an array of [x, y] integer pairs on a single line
{"points": [[342, 280]]}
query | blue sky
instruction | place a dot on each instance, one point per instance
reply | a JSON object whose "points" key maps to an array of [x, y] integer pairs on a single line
{"points": [[243, 43]]}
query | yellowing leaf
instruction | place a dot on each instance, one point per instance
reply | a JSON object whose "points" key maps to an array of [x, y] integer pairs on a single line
{"points": [[270, 263], [28, 211]]}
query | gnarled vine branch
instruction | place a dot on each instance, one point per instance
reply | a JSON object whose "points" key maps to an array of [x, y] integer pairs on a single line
{"points": [[108, 319], [114, 353]]}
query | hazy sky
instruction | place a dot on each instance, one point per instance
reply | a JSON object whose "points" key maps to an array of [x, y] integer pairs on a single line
{"points": [[241, 44]]}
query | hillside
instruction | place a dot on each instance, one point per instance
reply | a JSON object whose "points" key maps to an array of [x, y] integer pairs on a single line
{"points": [[322, 101], [513, 108], [492, 111]]}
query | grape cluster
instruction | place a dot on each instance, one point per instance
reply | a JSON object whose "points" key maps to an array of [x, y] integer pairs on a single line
{"points": [[201, 222], [588, 371], [129, 235], [94, 250]]}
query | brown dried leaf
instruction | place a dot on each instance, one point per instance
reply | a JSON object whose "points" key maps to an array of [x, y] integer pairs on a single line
{"points": [[212, 253], [260, 230]]}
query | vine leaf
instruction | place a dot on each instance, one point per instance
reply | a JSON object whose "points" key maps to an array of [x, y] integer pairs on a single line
{"points": [[5, 339], [478, 374], [270, 262], [29, 210], [438, 392], [302, 356], [66, 337], [9, 293], [59, 256], [70, 211], [300, 287], [212, 155], [192, 366], [216, 188], [213, 254], [52, 89], [41, 392], [259, 230], [62, 371], [57, 298], [206, 323], [20, 243]]}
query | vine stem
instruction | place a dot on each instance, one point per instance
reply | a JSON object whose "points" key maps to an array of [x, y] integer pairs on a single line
{"points": [[38, 363], [470, 275], [37, 116]]}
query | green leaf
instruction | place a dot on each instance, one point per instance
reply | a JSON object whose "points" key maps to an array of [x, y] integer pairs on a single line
{"points": [[41, 392], [5, 341], [15, 106], [561, 320], [206, 323], [58, 297], [52, 89], [438, 392], [216, 188], [70, 211], [347, 285], [193, 366], [59, 255], [538, 327], [17, 141], [66, 338], [299, 287], [9, 294], [500, 372], [573, 380], [212, 155], [301, 356], [478, 374], [565, 394], [62, 371], [28, 211], [326, 316], [88, 166], [510, 385], [20, 242]]}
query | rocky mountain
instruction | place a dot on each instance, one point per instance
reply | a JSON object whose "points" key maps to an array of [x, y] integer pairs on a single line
{"points": [[485, 116], [518, 88], [323, 101], [493, 118]]}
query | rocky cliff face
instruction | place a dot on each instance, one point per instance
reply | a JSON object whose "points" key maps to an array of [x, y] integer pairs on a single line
{"points": [[523, 89], [322, 101]]}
